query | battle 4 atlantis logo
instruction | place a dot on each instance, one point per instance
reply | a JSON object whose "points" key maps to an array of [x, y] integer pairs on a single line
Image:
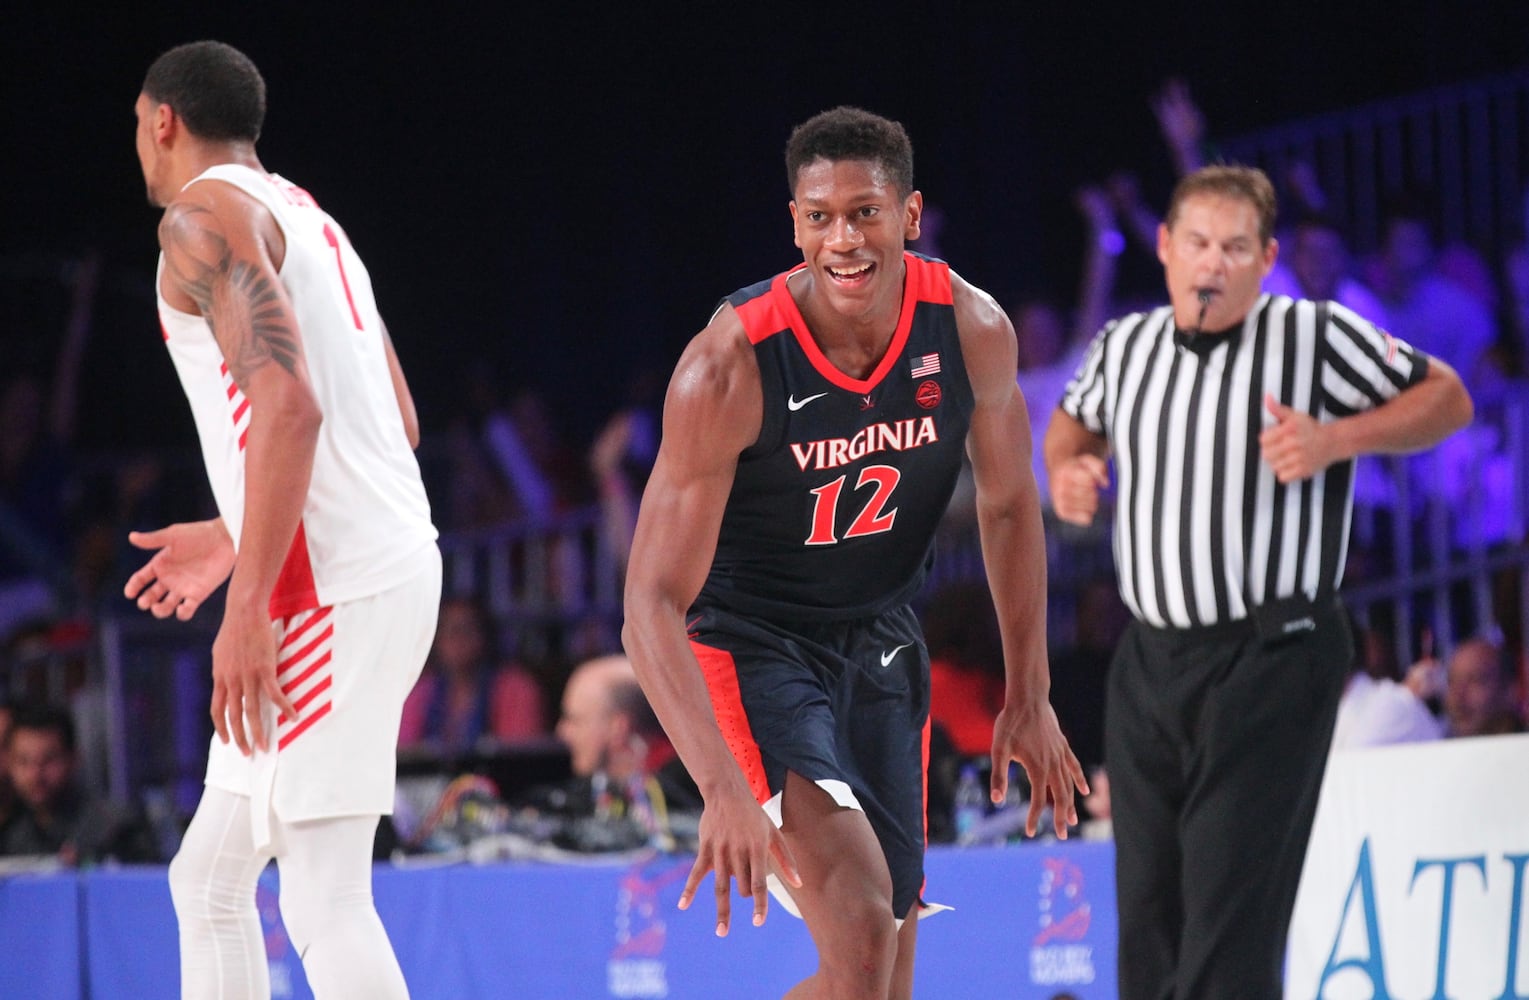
{"points": [[1059, 955], [636, 969]]}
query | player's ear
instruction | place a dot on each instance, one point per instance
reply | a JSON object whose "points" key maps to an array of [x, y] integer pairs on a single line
{"points": [[796, 224], [913, 214], [164, 124]]}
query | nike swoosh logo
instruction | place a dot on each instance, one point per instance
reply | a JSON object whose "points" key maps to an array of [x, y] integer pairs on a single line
{"points": [[891, 654], [792, 403]]}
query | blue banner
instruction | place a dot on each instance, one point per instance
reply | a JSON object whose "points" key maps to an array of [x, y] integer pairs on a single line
{"points": [[1028, 922]]}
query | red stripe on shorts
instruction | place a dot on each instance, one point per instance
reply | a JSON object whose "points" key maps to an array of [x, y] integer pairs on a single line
{"points": [[313, 693], [302, 727], [317, 616], [297, 681], [284, 665], [721, 675]]}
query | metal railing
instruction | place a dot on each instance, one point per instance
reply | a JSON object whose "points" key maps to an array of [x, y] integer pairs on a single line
{"points": [[1467, 144]]}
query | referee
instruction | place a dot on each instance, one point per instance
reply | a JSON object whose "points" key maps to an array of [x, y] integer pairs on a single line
{"points": [[1233, 418]]}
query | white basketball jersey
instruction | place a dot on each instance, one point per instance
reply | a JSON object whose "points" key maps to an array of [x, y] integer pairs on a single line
{"points": [[366, 513]]}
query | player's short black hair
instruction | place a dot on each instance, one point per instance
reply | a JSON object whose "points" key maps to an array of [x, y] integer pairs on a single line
{"points": [[848, 133], [214, 88]]}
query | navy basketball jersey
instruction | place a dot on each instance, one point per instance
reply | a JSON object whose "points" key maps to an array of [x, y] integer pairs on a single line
{"points": [[833, 509]]}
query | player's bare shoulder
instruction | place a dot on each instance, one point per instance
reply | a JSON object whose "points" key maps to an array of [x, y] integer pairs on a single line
{"points": [[987, 336], [715, 391], [977, 312], [193, 236], [205, 228]]}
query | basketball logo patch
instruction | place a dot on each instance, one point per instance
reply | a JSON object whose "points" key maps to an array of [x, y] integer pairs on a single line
{"points": [[927, 394]]}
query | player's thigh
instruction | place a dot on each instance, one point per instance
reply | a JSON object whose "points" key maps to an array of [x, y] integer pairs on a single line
{"points": [[844, 873]]}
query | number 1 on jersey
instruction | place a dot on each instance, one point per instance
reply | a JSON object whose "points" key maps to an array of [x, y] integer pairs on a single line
{"points": [[873, 518], [334, 241]]}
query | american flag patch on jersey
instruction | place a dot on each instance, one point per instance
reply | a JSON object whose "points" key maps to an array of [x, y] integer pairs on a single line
{"points": [[925, 365]]}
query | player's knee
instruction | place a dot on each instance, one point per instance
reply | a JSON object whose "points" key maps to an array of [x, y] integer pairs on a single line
{"points": [[861, 960], [195, 893], [311, 910], [301, 914], [188, 891]]}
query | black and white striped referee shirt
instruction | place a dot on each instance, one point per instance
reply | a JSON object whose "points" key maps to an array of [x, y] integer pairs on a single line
{"points": [[1203, 530]]}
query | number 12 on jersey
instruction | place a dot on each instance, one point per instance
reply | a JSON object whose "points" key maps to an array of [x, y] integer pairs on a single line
{"points": [[873, 519]]}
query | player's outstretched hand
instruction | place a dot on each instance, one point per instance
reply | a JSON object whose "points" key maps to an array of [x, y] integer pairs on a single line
{"points": [[738, 841], [192, 561], [1029, 733]]}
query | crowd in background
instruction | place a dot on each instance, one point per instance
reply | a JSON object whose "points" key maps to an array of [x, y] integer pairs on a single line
{"points": [[501, 458]]}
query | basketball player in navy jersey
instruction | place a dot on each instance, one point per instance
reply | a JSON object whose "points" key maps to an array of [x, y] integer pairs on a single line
{"points": [[813, 432]]}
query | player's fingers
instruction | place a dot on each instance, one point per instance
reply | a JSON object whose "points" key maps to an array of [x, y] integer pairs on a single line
{"points": [[760, 890], [1033, 814], [165, 604], [998, 780], [279, 698], [149, 539], [697, 872], [724, 896], [187, 609], [1063, 811], [140, 579], [254, 725], [219, 711], [150, 594], [235, 716], [1074, 782], [785, 861]]}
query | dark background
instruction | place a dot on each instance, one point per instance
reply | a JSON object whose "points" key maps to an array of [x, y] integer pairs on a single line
{"points": [[559, 196]]}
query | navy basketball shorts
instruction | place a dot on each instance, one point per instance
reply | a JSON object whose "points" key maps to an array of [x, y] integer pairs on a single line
{"points": [[844, 704]]}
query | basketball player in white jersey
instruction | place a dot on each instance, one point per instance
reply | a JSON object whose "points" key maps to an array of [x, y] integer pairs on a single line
{"points": [[324, 535]]}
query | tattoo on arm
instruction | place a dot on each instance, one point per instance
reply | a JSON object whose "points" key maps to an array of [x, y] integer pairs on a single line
{"points": [[239, 300]]}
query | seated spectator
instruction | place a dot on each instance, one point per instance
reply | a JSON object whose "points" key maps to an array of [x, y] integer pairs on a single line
{"points": [[466, 700], [614, 739], [1481, 691], [1100, 824], [54, 816], [1375, 708]]}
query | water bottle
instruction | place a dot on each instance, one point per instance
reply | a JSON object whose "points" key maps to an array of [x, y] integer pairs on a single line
{"points": [[970, 804]]}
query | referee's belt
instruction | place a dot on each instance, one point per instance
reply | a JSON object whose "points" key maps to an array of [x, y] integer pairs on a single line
{"points": [[1283, 620]]}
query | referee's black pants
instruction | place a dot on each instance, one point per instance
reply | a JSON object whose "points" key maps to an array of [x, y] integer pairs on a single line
{"points": [[1215, 744]]}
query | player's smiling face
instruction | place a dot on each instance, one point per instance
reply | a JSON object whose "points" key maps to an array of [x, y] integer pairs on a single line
{"points": [[852, 222]]}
